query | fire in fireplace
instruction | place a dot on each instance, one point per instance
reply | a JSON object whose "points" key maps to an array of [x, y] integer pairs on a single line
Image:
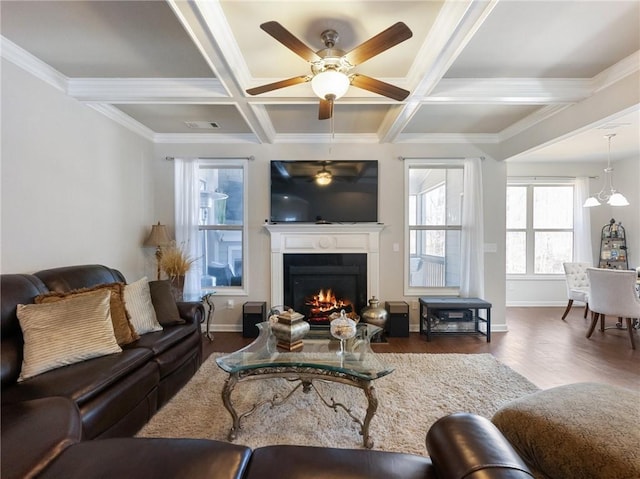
{"points": [[318, 285], [323, 304]]}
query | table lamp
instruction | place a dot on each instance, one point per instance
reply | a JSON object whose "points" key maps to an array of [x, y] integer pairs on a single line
{"points": [[158, 238]]}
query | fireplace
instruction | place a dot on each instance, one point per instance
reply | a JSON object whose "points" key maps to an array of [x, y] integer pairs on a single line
{"points": [[318, 285], [336, 246]]}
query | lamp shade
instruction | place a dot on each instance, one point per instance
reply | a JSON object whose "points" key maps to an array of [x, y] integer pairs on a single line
{"points": [[617, 199], [591, 202], [158, 236], [330, 83]]}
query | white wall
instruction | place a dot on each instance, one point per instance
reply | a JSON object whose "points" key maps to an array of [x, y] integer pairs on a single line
{"points": [[537, 292], [391, 212], [76, 187]]}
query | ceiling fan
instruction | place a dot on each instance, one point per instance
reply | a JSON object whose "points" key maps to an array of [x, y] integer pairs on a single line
{"points": [[330, 67]]}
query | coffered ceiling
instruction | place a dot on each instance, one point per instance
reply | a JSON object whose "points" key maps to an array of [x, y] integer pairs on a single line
{"points": [[478, 71]]}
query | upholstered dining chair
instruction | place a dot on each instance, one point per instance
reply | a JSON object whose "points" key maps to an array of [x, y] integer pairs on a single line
{"points": [[577, 285], [613, 293]]}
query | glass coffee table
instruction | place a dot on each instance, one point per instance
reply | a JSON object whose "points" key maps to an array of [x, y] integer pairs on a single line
{"points": [[318, 360]]}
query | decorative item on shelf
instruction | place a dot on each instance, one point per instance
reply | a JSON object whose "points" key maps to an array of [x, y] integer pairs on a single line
{"points": [[158, 237], [613, 246], [376, 315], [175, 263], [342, 328], [289, 329], [607, 194]]}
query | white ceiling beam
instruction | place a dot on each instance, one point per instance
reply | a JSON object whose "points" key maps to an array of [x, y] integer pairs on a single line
{"points": [[454, 27]]}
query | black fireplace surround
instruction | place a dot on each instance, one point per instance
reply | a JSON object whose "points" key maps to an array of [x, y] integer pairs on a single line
{"points": [[305, 275]]}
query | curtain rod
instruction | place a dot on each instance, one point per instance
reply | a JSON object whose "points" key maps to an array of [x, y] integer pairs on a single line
{"points": [[402, 158], [536, 177], [250, 158]]}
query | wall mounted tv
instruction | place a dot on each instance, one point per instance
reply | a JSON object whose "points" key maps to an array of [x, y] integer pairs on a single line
{"points": [[324, 191]]}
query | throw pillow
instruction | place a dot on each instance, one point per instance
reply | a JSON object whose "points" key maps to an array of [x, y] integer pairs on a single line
{"points": [[137, 299], [65, 332], [164, 303], [122, 328]]}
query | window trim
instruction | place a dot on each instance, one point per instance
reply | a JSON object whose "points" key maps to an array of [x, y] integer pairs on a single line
{"points": [[244, 164], [408, 228], [530, 183]]}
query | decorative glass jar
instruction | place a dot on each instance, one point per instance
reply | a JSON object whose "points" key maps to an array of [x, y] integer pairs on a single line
{"points": [[343, 328]]}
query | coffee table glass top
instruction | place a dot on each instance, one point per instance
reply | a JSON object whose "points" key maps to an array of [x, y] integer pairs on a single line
{"points": [[320, 351]]}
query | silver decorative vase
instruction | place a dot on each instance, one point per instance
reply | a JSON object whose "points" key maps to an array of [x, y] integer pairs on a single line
{"points": [[289, 330], [375, 314]]}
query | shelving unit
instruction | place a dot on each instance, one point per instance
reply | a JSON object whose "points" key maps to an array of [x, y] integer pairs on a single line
{"points": [[613, 246]]}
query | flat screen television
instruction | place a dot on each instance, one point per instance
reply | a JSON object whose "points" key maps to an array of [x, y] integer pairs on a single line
{"points": [[324, 191]]}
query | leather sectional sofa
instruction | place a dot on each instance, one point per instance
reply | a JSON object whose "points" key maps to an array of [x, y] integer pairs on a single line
{"points": [[77, 421]]}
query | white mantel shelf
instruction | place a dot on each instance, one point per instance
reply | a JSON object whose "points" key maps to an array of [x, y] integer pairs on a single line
{"points": [[324, 238]]}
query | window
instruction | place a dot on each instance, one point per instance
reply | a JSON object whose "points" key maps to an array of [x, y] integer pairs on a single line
{"points": [[222, 223], [434, 209], [539, 228]]}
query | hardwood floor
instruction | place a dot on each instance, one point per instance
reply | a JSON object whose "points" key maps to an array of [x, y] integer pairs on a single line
{"points": [[539, 345]]}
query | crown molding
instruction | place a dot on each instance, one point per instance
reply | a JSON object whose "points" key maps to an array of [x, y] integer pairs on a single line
{"points": [[510, 90], [531, 120], [140, 90], [193, 138], [119, 117], [446, 138], [25, 60]]}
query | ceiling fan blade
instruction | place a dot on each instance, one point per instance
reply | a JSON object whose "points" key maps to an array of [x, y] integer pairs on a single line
{"points": [[285, 37], [277, 85], [326, 109], [379, 87], [384, 40]]}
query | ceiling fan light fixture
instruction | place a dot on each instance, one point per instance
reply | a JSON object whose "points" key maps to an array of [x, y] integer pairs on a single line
{"points": [[330, 84], [323, 177]]}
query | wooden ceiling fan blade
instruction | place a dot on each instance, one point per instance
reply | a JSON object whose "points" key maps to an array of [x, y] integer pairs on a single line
{"points": [[384, 40], [277, 85], [379, 87], [287, 38], [325, 111]]}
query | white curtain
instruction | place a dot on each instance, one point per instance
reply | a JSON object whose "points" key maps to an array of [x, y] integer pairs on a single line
{"points": [[187, 202], [472, 240], [582, 249]]}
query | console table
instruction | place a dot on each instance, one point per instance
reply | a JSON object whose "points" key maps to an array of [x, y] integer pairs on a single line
{"points": [[453, 315]]}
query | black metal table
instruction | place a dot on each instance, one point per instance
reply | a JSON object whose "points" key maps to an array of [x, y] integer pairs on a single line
{"points": [[433, 307]]}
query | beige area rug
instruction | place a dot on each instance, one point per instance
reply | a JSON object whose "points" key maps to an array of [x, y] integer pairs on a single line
{"points": [[423, 388]]}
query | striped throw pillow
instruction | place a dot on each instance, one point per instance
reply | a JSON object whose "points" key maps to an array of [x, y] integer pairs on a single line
{"points": [[137, 301], [65, 332]]}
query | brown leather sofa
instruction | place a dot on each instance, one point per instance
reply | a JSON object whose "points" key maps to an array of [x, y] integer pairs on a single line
{"points": [[76, 421], [116, 394], [459, 446]]}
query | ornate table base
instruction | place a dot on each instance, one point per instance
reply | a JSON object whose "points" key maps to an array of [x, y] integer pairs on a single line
{"points": [[305, 377]]}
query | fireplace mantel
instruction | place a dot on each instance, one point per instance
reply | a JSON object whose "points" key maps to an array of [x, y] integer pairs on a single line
{"points": [[325, 238]]}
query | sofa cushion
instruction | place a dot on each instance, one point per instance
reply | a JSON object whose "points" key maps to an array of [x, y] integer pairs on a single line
{"points": [[160, 341], [35, 432], [65, 332], [81, 381], [164, 303], [150, 457], [303, 462], [137, 299], [122, 328]]}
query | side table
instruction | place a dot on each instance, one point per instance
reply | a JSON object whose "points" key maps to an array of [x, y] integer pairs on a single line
{"points": [[208, 299], [444, 309]]}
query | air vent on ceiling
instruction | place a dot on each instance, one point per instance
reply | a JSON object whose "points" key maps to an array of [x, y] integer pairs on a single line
{"points": [[202, 125]]}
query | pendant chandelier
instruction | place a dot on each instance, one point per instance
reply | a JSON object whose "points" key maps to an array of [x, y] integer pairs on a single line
{"points": [[607, 194]]}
